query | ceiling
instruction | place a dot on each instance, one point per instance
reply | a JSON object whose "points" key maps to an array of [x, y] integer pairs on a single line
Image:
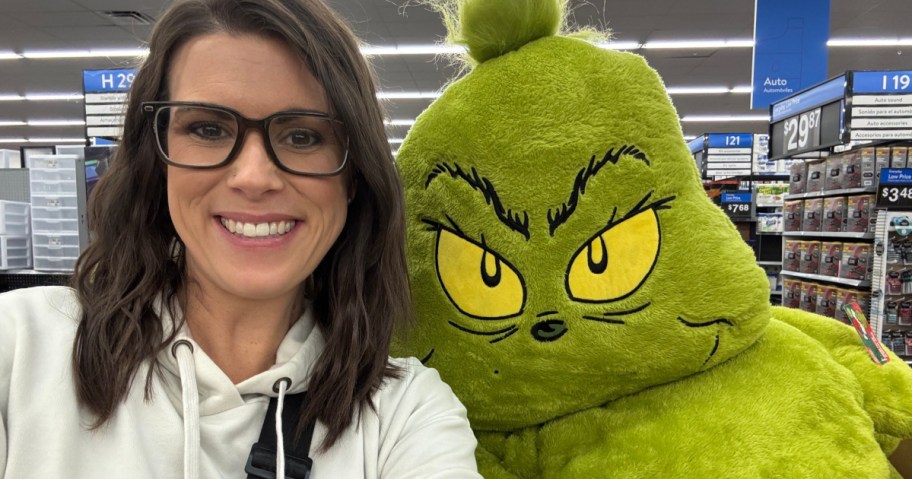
{"points": [[40, 25]]}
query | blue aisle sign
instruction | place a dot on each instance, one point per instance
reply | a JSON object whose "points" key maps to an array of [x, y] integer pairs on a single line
{"points": [[882, 82], [102, 81], [730, 140], [790, 51]]}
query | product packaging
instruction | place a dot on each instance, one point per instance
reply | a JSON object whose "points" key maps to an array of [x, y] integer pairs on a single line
{"points": [[791, 293], [793, 214], [834, 210], [830, 257], [856, 261], [833, 173], [816, 176], [899, 156], [798, 178], [813, 215], [826, 301], [808, 297], [791, 256], [810, 257], [851, 170], [858, 213]]}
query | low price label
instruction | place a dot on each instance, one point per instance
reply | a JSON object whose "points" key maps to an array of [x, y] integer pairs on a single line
{"points": [[802, 132], [894, 191], [737, 205]]}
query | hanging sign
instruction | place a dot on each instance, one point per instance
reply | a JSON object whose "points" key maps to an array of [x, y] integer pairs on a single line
{"points": [[881, 105], [790, 51], [105, 101]]}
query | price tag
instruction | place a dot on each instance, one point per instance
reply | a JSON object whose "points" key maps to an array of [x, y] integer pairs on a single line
{"points": [[737, 205], [894, 191], [802, 132]]}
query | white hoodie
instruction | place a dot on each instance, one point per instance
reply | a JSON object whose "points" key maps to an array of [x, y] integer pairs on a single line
{"points": [[419, 429]]}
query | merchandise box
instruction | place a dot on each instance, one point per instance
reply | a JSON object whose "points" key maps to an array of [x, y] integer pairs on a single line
{"points": [[851, 170], [830, 257], [834, 210], [858, 213], [813, 215], [792, 215], [808, 297], [833, 173], [899, 157], [769, 222], [798, 178], [882, 158], [791, 293], [826, 300], [791, 256], [871, 164], [816, 176], [856, 262], [810, 257]]}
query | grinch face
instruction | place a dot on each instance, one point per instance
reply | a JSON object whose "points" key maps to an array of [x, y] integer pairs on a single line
{"points": [[562, 250]]}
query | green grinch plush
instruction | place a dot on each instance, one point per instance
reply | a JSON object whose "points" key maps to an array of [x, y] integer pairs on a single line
{"points": [[594, 311]]}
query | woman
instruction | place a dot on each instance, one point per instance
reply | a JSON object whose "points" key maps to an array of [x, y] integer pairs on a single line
{"points": [[234, 261]]}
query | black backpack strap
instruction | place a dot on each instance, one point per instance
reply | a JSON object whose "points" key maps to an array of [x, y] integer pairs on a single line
{"points": [[261, 463]]}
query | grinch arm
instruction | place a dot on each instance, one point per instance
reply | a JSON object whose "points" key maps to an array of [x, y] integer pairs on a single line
{"points": [[887, 388], [902, 459], [506, 455]]}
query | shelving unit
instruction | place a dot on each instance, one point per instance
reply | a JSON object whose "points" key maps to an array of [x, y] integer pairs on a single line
{"points": [[855, 283]]}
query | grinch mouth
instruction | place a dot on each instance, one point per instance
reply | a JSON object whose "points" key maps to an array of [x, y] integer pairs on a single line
{"points": [[427, 358], [715, 348]]}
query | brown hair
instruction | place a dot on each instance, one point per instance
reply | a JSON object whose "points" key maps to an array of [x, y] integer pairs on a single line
{"points": [[360, 289]]}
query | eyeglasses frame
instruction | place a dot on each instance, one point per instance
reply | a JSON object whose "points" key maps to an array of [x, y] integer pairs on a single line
{"points": [[151, 109]]}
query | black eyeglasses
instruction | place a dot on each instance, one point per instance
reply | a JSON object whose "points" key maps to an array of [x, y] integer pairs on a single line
{"points": [[205, 136]]}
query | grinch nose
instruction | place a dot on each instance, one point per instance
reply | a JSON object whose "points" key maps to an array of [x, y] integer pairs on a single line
{"points": [[549, 330]]}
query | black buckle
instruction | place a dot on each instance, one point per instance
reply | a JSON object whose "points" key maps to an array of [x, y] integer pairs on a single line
{"points": [[261, 464]]}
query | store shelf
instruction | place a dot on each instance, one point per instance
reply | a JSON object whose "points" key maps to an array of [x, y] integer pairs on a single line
{"points": [[822, 194], [829, 234], [771, 205], [776, 293], [769, 263], [857, 283], [770, 233]]}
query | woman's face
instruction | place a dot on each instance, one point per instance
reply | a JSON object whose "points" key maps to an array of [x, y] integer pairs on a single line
{"points": [[256, 76]]}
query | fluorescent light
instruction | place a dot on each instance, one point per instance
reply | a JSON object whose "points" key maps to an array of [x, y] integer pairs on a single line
{"points": [[55, 122], [11, 123], [697, 90], [12, 140], [742, 89], [396, 141], [689, 137], [698, 44], [400, 122], [369, 50], [407, 95], [103, 53], [724, 118], [868, 42], [9, 56], [41, 97], [53, 96], [621, 45], [56, 140]]}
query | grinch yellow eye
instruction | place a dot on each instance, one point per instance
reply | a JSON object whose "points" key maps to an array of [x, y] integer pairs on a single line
{"points": [[614, 263], [477, 280]]}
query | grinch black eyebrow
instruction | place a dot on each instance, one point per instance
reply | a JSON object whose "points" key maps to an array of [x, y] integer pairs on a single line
{"points": [[559, 216], [513, 220]]}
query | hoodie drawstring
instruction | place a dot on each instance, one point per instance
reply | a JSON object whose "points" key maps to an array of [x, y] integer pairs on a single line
{"points": [[182, 350], [282, 385]]}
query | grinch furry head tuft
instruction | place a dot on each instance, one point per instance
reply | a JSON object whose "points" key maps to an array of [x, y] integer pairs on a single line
{"points": [[595, 312]]}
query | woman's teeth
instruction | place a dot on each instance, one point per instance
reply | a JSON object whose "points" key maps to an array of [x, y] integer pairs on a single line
{"points": [[257, 230]]}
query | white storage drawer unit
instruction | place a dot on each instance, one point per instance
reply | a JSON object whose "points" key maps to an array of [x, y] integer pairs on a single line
{"points": [[15, 252], [14, 218]]}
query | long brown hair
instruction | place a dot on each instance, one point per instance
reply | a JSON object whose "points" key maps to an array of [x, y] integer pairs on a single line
{"points": [[360, 289]]}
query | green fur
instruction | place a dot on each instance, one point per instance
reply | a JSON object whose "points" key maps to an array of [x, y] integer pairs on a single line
{"points": [[499, 155]]}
